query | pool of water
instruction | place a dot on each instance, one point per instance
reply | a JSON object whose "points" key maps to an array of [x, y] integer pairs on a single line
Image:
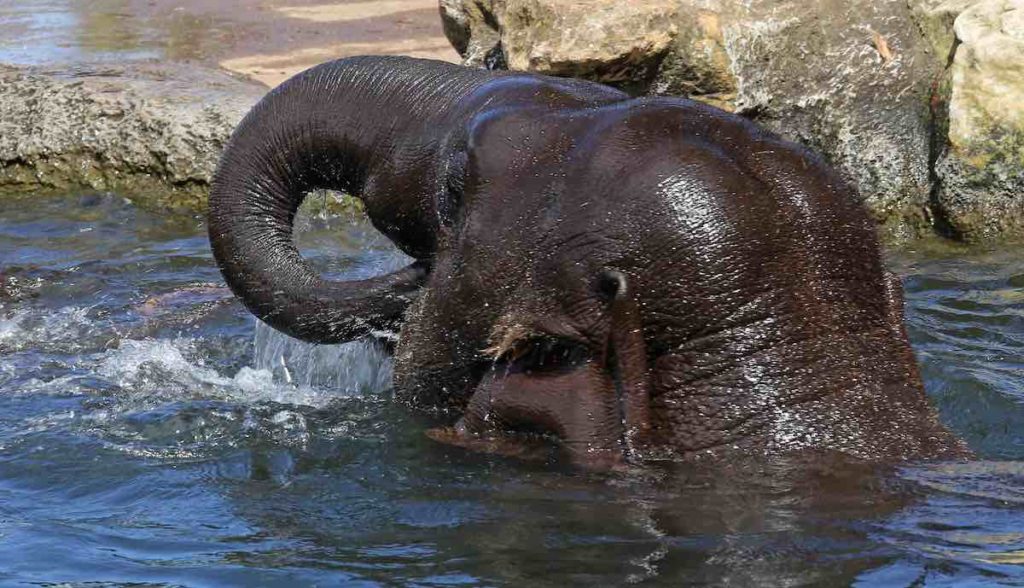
{"points": [[35, 32], [268, 40], [152, 433]]}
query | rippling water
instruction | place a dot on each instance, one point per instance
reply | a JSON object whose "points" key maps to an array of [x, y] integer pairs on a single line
{"points": [[151, 432]]}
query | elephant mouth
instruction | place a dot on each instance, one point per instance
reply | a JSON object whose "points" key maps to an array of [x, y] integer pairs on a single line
{"points": [[529, 446], [546, 392]]}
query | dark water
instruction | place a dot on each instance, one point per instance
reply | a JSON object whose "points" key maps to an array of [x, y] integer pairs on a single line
{"points": [[151, 433]]}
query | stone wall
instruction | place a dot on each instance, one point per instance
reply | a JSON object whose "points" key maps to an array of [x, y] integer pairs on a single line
{"points": [[150, 131], [917, 102]]}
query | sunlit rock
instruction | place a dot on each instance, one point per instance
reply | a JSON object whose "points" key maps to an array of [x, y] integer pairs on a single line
{"points": [[852, 79], [981, 172], [151, 131], [935, 19], [472, 28], [605, 40]]}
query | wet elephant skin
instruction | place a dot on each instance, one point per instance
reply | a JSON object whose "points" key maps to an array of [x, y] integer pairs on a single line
{"points": [[636, 278]]}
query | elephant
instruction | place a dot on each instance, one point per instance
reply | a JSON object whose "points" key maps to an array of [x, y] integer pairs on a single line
{"points": [[627, 279]]}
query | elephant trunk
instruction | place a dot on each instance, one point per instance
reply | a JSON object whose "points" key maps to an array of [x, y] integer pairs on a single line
{"points": [[344, 125]]}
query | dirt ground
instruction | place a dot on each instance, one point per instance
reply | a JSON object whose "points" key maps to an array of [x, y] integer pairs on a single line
{"points": [[270, 40]]}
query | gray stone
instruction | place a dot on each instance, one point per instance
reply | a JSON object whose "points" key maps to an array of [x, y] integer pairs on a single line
{"points": [[853, 79], [151, 131], [935, 20], [604, 40], [981, 171], [472, 27]]}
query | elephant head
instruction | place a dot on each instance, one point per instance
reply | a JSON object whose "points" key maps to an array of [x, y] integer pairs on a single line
{"points": [[633, 277]]}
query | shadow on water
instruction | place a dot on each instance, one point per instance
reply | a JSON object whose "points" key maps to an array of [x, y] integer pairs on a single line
{"points": [[151, 432]]}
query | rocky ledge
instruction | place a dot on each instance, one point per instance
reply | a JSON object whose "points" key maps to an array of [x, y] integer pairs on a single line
{"points": [[150, 131], [917, 102]]}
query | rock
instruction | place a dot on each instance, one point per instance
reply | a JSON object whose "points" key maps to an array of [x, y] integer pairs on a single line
{"points": [[606, 40], [981, 171], [935, 20], [850, 78], [471, 26], [602, 40], [150, 131], [698, 65]]}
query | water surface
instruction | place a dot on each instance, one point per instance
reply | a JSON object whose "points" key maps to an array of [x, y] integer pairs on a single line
{"points": [[151, 432], [268, 40]]}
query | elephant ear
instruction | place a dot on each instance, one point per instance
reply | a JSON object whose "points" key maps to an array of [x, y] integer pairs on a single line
{"points": [[374, 127], [454, 186]]}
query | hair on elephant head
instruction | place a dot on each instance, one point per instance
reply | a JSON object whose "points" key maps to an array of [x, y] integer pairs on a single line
{"points": [[632, 277]]}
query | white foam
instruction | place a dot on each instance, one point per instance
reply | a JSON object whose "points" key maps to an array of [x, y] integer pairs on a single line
{"points": [[63, 328], [286, 371]]}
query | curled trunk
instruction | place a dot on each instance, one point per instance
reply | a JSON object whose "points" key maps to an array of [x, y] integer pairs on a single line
{"points": [[348, 125]]}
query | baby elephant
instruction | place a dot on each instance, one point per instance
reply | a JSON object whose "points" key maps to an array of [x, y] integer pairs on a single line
{"points": [[635, 278]]}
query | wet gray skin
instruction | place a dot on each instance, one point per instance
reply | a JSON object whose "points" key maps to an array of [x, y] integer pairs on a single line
{"points": [[636, 278], [148, 434]]}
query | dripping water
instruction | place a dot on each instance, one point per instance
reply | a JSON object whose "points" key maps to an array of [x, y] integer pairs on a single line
{"points": [[361, 367]]}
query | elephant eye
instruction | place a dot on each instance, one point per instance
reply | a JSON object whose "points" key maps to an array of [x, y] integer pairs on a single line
{"points": [[546, 355]]}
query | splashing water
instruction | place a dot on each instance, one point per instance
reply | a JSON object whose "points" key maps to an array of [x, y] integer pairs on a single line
{"points": [[152, 432], [361, 367]]}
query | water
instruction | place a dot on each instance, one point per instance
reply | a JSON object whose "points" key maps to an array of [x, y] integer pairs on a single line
{"points": [[151, 432], [268, 40], [37, 32]]}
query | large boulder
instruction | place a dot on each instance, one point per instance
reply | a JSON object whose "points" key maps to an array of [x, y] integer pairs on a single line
{"points": [[862, 81], [981, 170], [850, 78], [150, 131], [618, 42]]}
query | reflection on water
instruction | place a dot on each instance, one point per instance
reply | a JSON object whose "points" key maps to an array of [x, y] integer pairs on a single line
{"points": [[34, 32], [151, 433]]}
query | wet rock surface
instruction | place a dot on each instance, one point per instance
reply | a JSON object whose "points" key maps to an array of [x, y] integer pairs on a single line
{"points": [[890, 91], [151, 131]]}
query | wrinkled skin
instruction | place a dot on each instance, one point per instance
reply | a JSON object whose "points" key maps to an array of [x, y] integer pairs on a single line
{"points": [[635, 278]]}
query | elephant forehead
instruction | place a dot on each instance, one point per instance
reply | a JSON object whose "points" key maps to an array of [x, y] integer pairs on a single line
{"points": [[694, 204], [574, 223]]}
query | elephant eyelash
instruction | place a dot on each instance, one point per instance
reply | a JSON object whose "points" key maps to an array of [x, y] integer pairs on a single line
{"points": [[545, 355]]}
